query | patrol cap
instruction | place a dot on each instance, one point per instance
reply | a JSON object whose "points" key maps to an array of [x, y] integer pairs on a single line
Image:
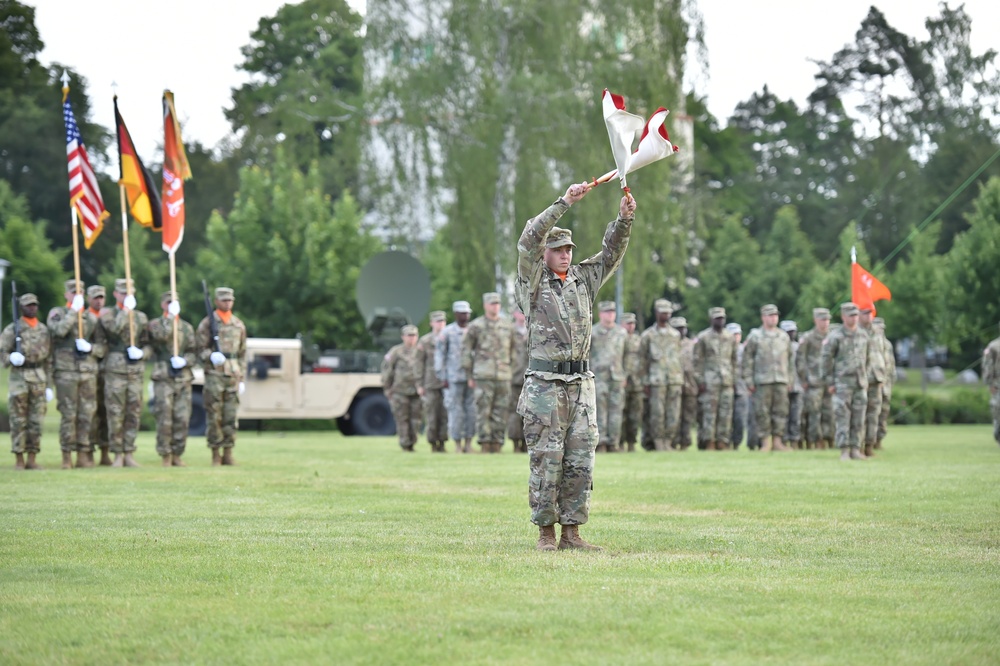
{"points": [[878, 321], [28, 299], [166, 296], [461, 306], [438, 315], [849, 308], [122, 285], [821, 313], [70, 285], [491, 297], [678, 322], [224, 294], [559, 237], [716, 313], [628, 318], [788, 325], [95, 290], [409, 329], [769, 309], [865, 308], [663, 305], [606, 306], [733, 327]]}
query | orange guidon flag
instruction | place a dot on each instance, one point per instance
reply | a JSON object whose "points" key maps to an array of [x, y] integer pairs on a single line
{"points": [[866, 288], [175, 171], [143, 199]]}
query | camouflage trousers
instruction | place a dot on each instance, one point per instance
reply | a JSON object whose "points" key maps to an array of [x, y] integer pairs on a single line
{"points": [[560, 429], [818, 415], [635, 402], [717, 415], [123, 401], [173, 415], [664, 413], [492, 402], [407, 413], [221, 396], [995, 408], [741, 407], [793, 428], [610, 406], [753, 434], [461, 410], [515, 424], [688, 420], [873, 412], [883, 417], [771, 409], [76, 399], [99, 424], [435, 415], [26, 405], [849, 406]]}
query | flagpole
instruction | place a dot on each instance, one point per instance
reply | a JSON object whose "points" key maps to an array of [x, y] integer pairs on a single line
{"points": [[76, 268], [128, 265], [173, 296]]}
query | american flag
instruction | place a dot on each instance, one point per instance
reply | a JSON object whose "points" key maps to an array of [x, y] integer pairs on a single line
{"points": [[84, 194]]}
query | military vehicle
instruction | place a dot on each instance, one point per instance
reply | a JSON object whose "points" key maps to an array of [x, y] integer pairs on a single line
{"points": [[292, 379]]}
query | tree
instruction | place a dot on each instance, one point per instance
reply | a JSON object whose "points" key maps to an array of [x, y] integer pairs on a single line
{"points": [[917, 291], [787, 262]]}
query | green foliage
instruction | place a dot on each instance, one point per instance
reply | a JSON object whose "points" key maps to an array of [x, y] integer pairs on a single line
{"points": [[149, 266], [917, 290], [967, 405], [292, 256]]}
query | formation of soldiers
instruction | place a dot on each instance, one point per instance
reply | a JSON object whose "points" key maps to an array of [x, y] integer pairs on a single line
{"points": [[92, 359]]}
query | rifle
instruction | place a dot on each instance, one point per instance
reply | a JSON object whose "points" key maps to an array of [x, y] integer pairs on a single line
{"points": [[210, 312], [15, 310]]}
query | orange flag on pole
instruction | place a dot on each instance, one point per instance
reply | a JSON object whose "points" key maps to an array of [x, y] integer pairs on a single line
{"points": [[866, 288], [175, 171]]}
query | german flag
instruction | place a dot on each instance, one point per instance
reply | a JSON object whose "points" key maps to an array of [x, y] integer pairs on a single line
{"points": [[143, 199]]}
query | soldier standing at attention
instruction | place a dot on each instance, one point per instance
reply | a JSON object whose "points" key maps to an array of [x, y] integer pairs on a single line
{"points": [[818, 409], [558, 402], [991, 377], [845, 373], [487, 354], [715, 366], [123, 372], [430, 388], [607, 362], [767, 368], [400, 378], [75, 370], [99, 424], [890, 381], [660, 354], [225, 368], [741, 396], [28, 388], [793, 431], [876, 378], [172, 377], [459, 398], [635, 397], [689, 390], [519, 365]]}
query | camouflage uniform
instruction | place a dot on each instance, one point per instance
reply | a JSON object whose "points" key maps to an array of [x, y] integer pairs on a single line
{"points": [[741, 399], [635, 397], [890, 381], [767, 369], [519, 366], [663, 378], [401, 374], [845, 368], [75, 374], [796, 396], [991, 377], [172, 388], [689, 391], [435, 414], [876, 379], [607, 362], [559, 406], [459, 398], [487, 351], [99, 424], [221, 391], [715, 368], [26, 384], [123, 377], [818, 412]]}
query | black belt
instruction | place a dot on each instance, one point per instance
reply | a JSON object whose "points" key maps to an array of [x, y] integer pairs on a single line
{"points": [[31, 366], [559, 367]]}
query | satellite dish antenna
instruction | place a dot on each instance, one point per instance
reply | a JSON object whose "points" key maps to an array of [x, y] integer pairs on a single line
{"points": [[393, 289]]}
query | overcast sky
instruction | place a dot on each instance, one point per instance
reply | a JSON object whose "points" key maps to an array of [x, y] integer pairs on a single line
{"points": [[131, 42]]}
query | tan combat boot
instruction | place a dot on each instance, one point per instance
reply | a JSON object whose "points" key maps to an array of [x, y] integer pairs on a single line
{"points": [[868, 451], [105, 458], [631, 447], [67, 460], [216, 458], [467, 447], [88, 458], [119, 460], [856, 454], [778, 446], [227, 456], [130, 461], [19, 461], [765, 444], [167, 460], [845, 454], [600, 448], [878, 445], [546, 537], [570, 538], [176, 461], [31, 464]]}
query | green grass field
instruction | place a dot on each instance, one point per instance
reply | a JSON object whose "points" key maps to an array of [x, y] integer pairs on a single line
{"points": [[321, 549]]}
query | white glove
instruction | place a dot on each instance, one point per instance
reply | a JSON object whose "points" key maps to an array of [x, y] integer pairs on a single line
{"points": [[243, 388], [49, 395], [217, 358], [129, 303], [16, 359], [77, 304], [83, 346], [177, 362], [134, 353], [174, 308]]}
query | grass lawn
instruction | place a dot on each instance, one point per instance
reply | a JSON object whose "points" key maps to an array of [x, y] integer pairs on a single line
{"points": [[324, 549]]}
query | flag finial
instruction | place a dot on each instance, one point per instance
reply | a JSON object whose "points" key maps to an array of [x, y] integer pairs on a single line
{"points": [[65, 79], [854, 255]]}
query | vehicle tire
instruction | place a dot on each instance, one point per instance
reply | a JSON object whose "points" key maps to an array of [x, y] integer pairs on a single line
{"points": [[199, 422], [371, 416], [345, 426]]}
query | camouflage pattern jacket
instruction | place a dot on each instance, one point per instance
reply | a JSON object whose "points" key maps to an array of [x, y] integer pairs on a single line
{"points": [[401, 370], [560, 314], [519, 365], [161, 339], [232, 343], [845, 358], [115, 322], [448, 354], [890, 368], [426, 347], [633, 362], [36, 346], [716, 359], [660, 356], [62, 324], [793, 369], [991, 365], [767, 358], [607, 353], [488, 349], [808, 359], [876, 355], [687, 364], [740, 386]]}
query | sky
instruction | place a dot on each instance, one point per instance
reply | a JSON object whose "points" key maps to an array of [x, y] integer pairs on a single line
{"points": [[750, 43]]}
